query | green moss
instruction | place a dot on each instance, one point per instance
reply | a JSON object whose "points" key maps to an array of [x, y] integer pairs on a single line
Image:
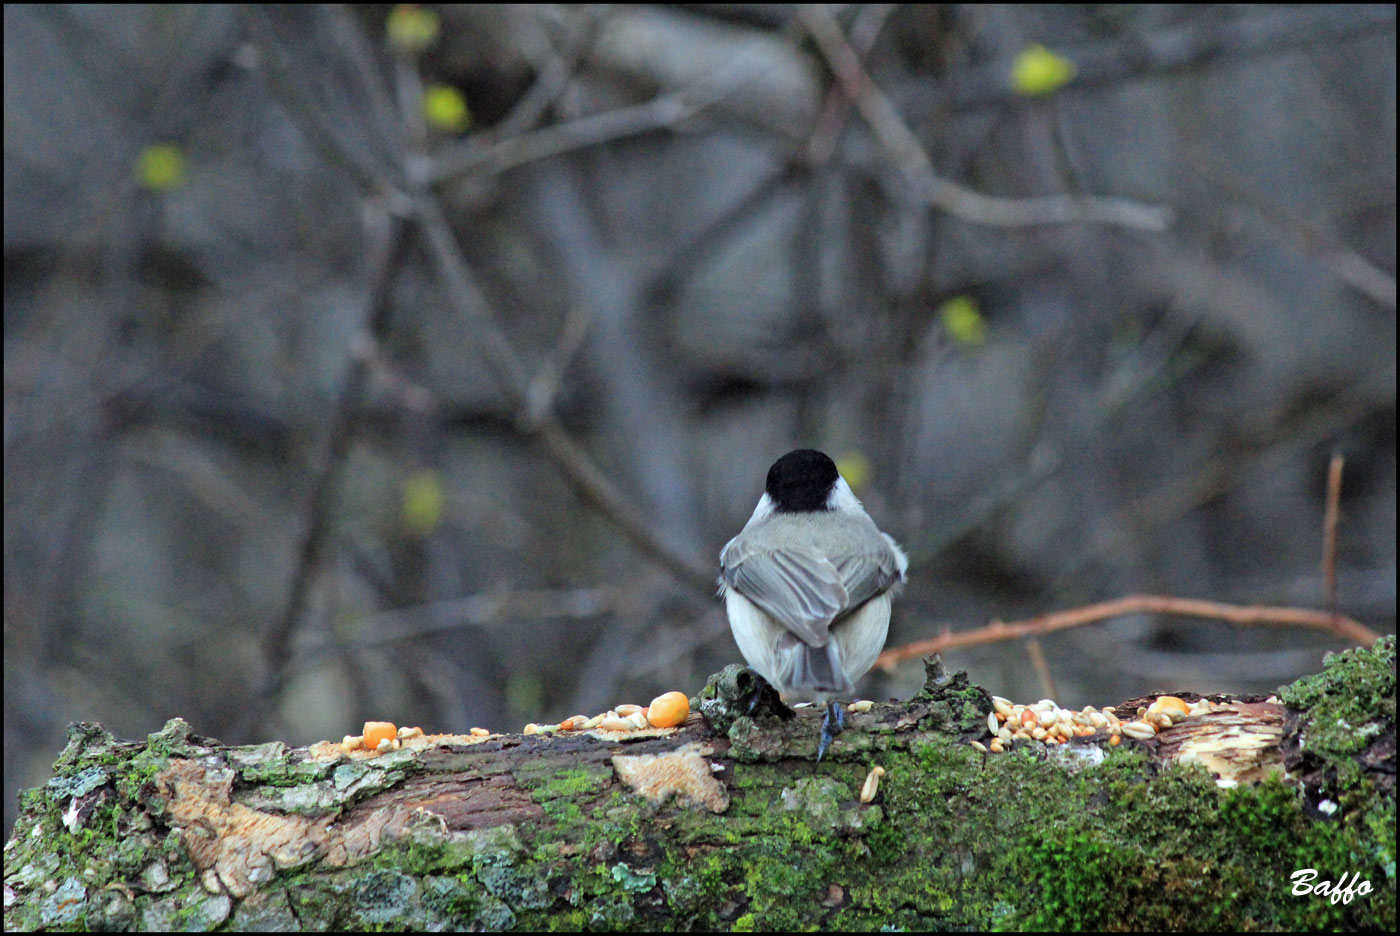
{"points": [[568, 784], [1346, 708], [522, 887], [1379, 824], [727, 696], [956, 706], [694, 888], [780, 879], [88, 744], [141, 770], [1180, 853], [1077, 877], [451, 898], [1355, 686]]}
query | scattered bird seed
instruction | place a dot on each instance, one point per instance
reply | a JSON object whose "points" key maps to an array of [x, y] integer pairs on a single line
{"points": [[872, 784], [1046, 722]]}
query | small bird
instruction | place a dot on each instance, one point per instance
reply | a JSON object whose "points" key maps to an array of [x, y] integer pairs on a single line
{"points": [[807, 585]]}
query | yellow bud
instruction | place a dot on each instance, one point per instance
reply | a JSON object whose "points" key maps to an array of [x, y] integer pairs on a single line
{"points": [[855, 468], [446, 109], [423, 500], [412, 28], [161, 167], [962, 321], [1038, 71]]}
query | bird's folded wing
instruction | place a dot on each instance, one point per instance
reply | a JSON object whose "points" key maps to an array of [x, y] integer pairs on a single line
{"points": [[798, 587], [865, 575]]}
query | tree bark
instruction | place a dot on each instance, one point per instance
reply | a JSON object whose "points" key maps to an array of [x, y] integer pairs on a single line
{"points": [[726, 823]]}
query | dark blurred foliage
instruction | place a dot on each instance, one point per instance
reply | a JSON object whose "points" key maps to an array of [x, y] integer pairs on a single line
{"points": [[262, 469]]}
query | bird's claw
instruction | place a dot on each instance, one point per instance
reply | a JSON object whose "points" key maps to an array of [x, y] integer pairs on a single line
{"points": [[833, 723], [763, 692]]}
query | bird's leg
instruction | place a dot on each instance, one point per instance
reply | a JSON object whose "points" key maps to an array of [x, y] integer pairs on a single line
{"points": [[762, 692], [833, 722], [756, 696]]}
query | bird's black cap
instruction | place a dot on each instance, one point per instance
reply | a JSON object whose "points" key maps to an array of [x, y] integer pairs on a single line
{"points": [[801, 481]]}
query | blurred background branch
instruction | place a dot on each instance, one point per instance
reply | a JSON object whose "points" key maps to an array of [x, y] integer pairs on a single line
{"points": [[896, 137]]}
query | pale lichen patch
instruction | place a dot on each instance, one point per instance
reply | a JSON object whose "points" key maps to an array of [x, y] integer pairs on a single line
{"points": [[684, 773]]}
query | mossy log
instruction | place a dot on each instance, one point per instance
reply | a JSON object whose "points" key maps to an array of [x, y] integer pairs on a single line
{"points": [[726, 823]]}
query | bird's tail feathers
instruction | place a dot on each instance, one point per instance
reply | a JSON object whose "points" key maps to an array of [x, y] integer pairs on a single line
{"points": [[816, 670]]}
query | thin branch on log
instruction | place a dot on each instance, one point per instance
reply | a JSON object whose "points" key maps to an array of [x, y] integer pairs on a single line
{"points": [[1329, 533], [1343, 627], [1036, 652]]}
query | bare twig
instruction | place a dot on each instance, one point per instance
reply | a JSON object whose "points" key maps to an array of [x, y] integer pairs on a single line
{"points": [[510, 376], [532, 398], [553, 75], [489, 608], [325, 133], [468, 299], [1219, 474], [505, 365], [404, 626], [346, 35], [666, 110], [961, 202], [997, 631], [589, 480], [1196, 45], [408, 91], [708, 626], [1042, 667], [1307, 238], [1329, 532], [501, 359], [1356, 271], [822, 143], [277, 636], [544, 386]]}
